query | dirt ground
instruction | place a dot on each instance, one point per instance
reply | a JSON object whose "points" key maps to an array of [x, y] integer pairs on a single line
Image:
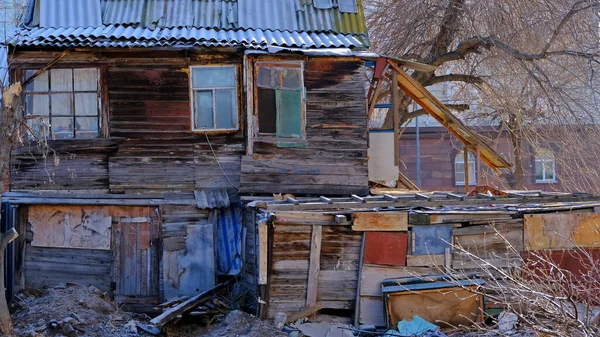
{"points": [[74, 310], [71, 310], [236, 323]]}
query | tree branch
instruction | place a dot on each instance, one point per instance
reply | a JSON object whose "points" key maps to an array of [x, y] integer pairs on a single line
{"points": [[454, 78]]}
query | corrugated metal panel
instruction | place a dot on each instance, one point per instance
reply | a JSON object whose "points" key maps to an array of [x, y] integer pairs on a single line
{"points": [[212, 198], [127, 36], [3, 67], [70, 13], [284, 15]]}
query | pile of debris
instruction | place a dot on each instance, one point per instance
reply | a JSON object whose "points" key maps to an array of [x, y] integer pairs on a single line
{"points": [[71, 310]]}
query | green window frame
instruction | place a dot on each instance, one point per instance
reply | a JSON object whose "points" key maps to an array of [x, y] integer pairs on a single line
{"points": [[280, 99]]}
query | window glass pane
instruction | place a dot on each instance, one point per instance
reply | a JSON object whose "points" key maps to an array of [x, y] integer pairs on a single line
{"points": [[291, 79], [267, 77], [86, 104], [289, 113], [37, 105], [39, 126], [61, 80], [213, 77], [85, 79], [226, 109], [61, 105], [86, 127], [40, 83], [203, 108], [267, 111], [539, 170], [62, 127]]}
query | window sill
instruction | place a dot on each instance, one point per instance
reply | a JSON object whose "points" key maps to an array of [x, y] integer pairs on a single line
{"points": [[215, 130], [463, 184], [546, 181]]}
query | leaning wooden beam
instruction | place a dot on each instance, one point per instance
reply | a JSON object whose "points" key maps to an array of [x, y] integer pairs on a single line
{"points": [[190, 304], [46, 67], [396, 117], [314, 267]]}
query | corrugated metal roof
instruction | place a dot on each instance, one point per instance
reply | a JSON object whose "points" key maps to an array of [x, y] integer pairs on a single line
{"points": [[127, 36], [147, 23]]}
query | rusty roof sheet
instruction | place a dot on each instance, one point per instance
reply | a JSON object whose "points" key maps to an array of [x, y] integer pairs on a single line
{"points": [[150, 23]]}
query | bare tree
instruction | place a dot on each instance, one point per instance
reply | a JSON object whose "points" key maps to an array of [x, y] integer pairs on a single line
{"points": [[529, 65]]}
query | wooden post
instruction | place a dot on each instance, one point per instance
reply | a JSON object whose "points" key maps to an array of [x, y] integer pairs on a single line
{"points": [[315, 266], [358, 286], [263, 250], [396, 115], [466, 159], [478, 168]]}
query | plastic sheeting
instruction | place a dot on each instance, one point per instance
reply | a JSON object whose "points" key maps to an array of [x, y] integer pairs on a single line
{"points": [[229, 240]]}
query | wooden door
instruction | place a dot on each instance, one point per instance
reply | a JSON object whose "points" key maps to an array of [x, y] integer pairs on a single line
{"points": [[135, 261]]}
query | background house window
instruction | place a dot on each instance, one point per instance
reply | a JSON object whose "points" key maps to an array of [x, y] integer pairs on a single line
{"points": [[545, 166], [214, 98], [280, 99], [459, 169], [63, 103]]}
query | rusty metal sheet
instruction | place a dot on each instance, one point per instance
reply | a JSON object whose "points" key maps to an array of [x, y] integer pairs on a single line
{"points": [[385, 248], [561, 230], [380, 221]]}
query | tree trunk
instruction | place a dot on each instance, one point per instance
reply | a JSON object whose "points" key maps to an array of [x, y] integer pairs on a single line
{"points": [[10, 122], [6, 326], [516, 140]]}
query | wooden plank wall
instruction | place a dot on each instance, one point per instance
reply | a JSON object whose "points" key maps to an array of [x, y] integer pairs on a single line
{"points": [[335, 286], [153, 150], [82, 166], [249, 252], [48, 267], [333, 159]]}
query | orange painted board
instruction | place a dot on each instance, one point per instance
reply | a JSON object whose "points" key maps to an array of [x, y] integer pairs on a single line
{"points": [[561, 231], [380, 221], [386, 248]]}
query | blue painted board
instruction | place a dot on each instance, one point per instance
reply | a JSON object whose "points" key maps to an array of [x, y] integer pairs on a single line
{"points": [[431, 240]]}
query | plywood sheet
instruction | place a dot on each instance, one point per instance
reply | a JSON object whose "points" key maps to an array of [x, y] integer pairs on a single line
{"points": [[386, 248], [431, 240], [561, 231], [380, 221], [70, 226], [452, 306]]}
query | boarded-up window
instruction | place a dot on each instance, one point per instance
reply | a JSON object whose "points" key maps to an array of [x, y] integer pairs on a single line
{"points": [[63, 103], [280, 99], [70, 227], [214, 98]]}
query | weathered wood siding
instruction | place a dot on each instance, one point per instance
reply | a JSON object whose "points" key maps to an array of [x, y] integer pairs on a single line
{"points": [[333, 158], [289, 272], [47, 267], [151, 148]]}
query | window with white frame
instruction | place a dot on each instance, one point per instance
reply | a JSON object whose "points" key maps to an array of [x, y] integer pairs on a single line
{"points": [[459, 169], [63, 103], [280, 99], [545, 166], [214, 99]]}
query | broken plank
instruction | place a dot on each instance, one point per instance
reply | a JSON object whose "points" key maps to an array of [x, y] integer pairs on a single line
{"points": [[304, 312], [172, 302], [190, 304], [424, 260], [380, 221]]}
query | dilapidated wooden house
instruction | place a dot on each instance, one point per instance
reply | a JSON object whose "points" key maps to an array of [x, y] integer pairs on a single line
{"points": [[148, 119]]}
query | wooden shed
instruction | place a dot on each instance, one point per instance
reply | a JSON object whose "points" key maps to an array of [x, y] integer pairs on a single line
{"points": [[335, 252]]}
